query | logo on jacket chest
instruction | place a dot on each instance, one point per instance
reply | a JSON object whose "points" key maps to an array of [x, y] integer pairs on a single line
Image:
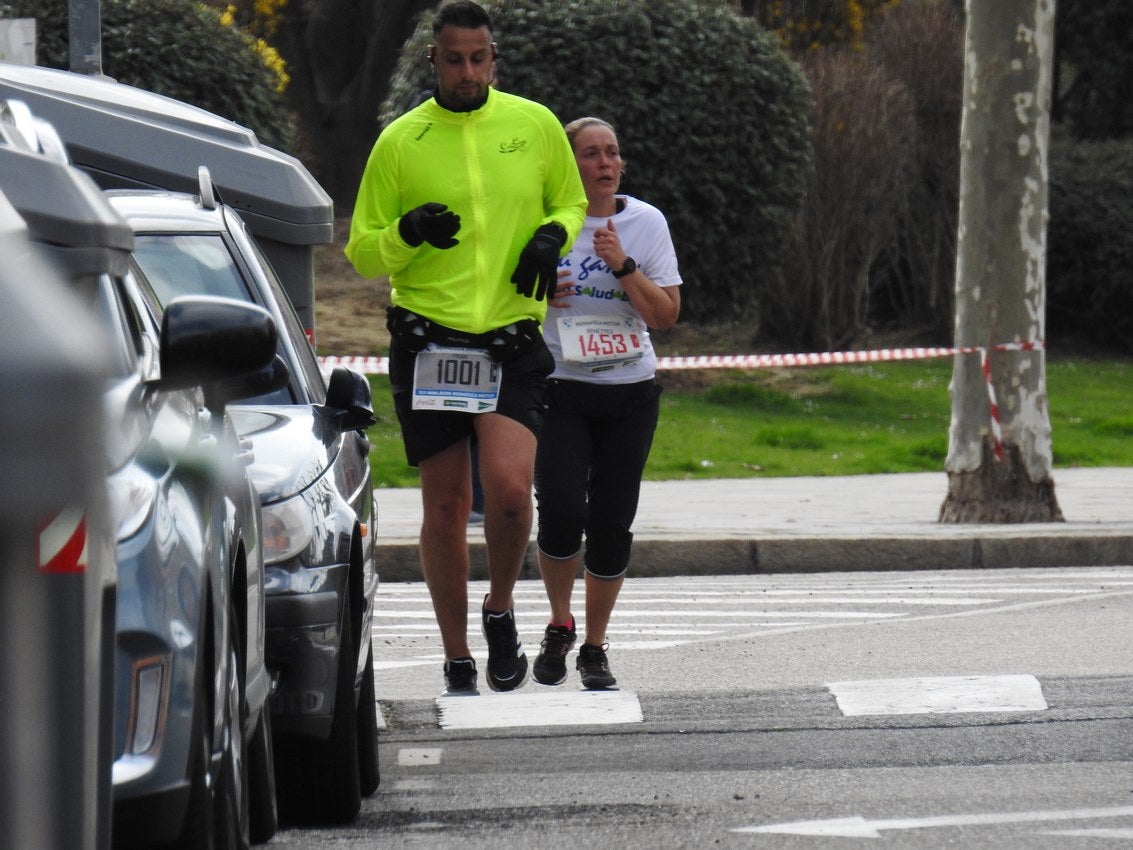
{"points": [[513, 146]]}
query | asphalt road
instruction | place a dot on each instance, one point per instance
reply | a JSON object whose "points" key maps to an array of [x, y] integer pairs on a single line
{"points": [[904, 709]]}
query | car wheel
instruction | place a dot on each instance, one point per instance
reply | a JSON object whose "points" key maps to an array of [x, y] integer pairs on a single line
{"points": [[232, 788], [369, 774], [317, 781], [263, 812], [198, 829]]}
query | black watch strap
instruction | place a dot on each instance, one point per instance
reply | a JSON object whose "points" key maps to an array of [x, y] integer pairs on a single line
{"points": [[629, 267]]}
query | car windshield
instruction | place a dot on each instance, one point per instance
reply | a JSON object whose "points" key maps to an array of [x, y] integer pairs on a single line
{"points": [[179, 264], [189, 264]]}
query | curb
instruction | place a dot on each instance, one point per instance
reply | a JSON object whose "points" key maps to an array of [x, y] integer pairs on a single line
{"points": [[398, 560]]}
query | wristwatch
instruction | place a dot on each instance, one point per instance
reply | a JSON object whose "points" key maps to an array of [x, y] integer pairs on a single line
{"points": [[629, 267]]}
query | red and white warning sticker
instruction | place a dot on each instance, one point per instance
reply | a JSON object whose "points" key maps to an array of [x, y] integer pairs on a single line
{"points": [[61, 542]]}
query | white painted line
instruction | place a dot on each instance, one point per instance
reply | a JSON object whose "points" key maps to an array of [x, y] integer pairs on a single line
{"points": [[943, 694], [379, 715], [410, 757], [398, 665], [668, 616], [773, 597], [859, 827], [538, 708]]}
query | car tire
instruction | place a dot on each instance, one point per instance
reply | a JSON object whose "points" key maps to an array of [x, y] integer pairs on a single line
{"points": [[232, 788], [198, 829], [369, 773], [317, 780], [263, 811]]}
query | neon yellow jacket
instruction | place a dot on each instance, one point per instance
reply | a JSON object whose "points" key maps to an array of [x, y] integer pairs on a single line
{"points": [[505, 169]]}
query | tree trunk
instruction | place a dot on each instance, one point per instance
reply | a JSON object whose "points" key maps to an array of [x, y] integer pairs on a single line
{"points": [[341, 54], [1001, 268]]}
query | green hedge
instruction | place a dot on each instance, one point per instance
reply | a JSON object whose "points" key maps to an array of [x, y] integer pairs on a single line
{"points": [[177, 48], [711, 115]]}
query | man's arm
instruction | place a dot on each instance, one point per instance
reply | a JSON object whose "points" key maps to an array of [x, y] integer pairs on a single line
{"points": [[564, 199], [376, 245]]}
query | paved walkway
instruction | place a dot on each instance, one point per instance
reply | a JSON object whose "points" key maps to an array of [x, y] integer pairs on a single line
{"points": [[874, 522]]}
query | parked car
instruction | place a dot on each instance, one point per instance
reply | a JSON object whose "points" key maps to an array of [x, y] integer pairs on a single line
{"points": [[311, 468], [192, 755]]}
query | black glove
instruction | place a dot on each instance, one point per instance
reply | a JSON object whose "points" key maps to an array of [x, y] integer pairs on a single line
{"points": [[433, 223], [538, 268]]}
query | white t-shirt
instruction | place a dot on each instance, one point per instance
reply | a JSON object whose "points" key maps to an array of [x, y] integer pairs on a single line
{"points": [[600, 337]]}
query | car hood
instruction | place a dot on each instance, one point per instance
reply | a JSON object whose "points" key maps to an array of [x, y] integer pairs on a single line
{"points": [[289, 453]]}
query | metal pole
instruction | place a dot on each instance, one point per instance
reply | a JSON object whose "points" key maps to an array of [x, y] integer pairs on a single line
{"points": [[57, 568], [85, 27]]}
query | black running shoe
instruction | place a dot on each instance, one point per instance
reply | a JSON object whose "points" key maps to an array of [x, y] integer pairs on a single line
{"points": [[507, 664], [594, 667], [550, 666], [460, 676]]}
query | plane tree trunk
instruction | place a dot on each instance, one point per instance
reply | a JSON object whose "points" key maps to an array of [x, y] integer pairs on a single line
{"points": [[1001, 269]]}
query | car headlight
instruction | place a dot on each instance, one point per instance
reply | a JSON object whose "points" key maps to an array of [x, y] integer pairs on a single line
{"points": [[132, 496], [287, 530]]}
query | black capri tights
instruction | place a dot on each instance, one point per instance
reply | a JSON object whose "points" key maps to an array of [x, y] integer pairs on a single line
{"points": [[592, 451]]}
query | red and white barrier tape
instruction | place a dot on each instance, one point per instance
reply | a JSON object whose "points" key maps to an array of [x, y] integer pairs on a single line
{"points": [[380, 365]]}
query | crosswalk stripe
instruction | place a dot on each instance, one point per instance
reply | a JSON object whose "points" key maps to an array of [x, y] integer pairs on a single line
{"points": [[559, 707], [939, 695]]}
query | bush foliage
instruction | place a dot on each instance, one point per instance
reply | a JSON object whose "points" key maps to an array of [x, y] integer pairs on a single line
{"points": [[1090, 244], [710, 113], [875, 244], [177, 48], [1094, 40]]}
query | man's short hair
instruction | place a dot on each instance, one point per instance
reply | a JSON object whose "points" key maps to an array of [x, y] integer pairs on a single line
{"points": [[461, 13]]}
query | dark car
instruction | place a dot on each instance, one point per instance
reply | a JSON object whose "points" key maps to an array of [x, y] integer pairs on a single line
{"points": [[192, 755], [311, 468]]}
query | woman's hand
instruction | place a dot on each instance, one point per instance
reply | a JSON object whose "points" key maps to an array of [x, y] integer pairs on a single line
{"points": [[560, 295], [608, 246]]}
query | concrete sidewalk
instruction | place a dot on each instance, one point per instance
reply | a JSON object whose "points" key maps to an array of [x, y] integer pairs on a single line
{"points": [[861, 522]]}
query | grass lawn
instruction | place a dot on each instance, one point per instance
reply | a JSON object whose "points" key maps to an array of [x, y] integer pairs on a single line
{"points": [[836, 420]]}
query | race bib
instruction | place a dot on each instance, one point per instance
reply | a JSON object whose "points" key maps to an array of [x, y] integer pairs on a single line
{"points": [[601, 342], [461, 379]]}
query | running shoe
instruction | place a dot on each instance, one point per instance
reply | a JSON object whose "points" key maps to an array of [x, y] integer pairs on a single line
{"points": [[550, 666], [594, 667], [507, 663], [460, 677]]}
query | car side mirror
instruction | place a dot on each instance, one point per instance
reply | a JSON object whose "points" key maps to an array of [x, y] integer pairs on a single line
{"points": [[207, 341], [349, 402], [261, 382]]}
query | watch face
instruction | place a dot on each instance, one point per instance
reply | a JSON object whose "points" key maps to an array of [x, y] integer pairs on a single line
{"points": [[628, 267]]}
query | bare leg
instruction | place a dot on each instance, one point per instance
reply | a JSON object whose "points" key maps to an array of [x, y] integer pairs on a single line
{"points": [[558, 578], [446, 495], [507, 462], [601, 594]]}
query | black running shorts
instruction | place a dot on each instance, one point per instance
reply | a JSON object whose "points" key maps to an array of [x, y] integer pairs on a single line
{"points": [[426, 432]]}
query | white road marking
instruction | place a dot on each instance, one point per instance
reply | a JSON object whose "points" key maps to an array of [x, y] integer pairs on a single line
{"points": [[939, 695], [859, 827], [686, 611], [416, 757], [397, 665], [534, 708]]}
